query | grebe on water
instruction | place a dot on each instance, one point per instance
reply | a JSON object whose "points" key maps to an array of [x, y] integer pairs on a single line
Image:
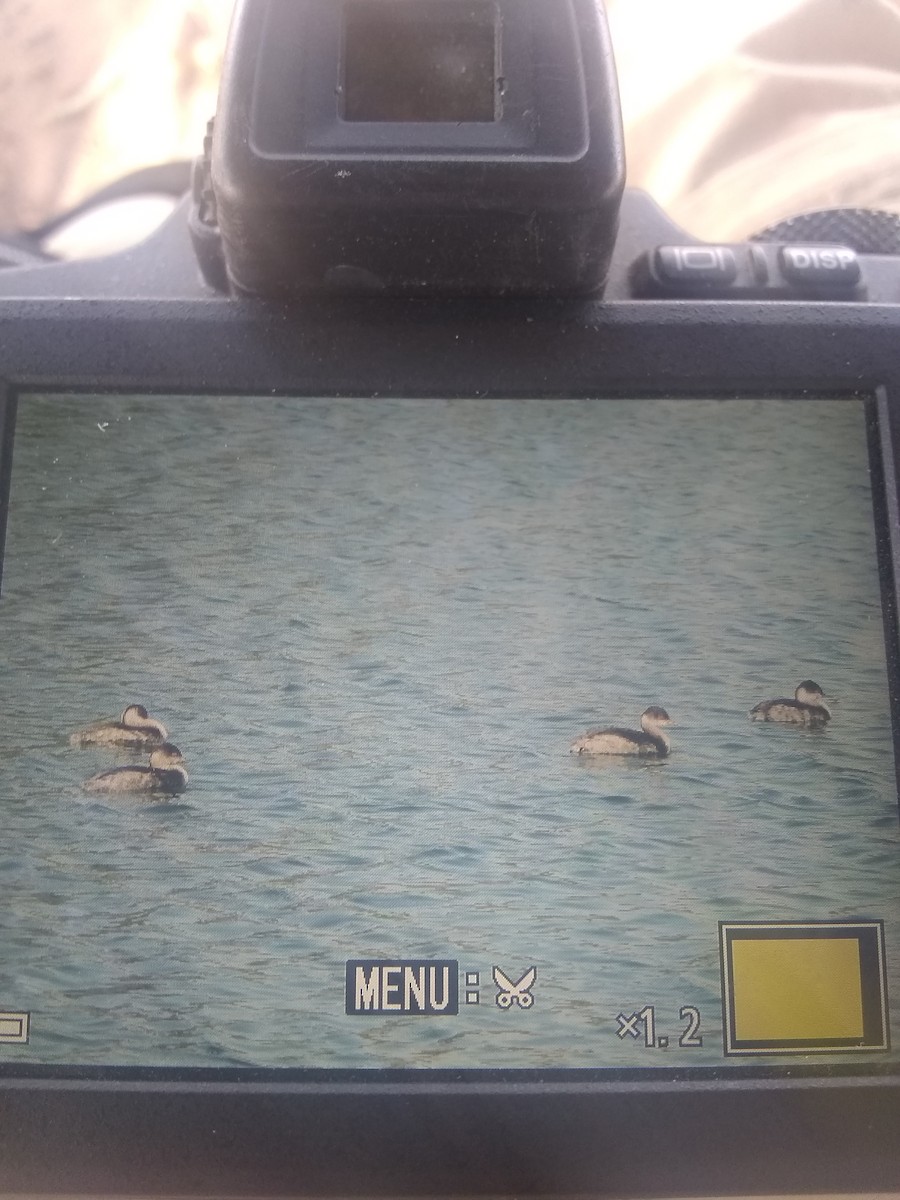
{"points": [[649, 741], [807, 708], [134, 730], [165, 776]]}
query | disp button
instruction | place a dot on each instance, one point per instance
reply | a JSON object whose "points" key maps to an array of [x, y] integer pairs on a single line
{"points": [[821, 266]]}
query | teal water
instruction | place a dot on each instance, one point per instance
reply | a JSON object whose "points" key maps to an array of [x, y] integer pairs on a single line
{"points": [[373, 628]]}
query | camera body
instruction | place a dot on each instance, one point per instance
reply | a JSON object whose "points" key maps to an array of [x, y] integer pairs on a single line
{"points": [[418, 149], [406, 236]]}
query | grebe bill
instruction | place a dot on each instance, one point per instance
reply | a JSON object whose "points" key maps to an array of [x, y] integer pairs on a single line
{"points": [[649, 741]]}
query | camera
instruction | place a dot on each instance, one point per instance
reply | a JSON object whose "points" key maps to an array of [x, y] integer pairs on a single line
{"points": [[450, 655]]}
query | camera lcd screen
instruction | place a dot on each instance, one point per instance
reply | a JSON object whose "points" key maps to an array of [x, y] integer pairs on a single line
{"points": [[445, 734], [406, 62]]}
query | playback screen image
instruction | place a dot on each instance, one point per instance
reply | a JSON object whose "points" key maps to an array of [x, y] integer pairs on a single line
{"points": [[458, 734]]}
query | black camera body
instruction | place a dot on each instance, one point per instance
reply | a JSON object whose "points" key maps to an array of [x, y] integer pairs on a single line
{"points": [[599, 462], [494, 168]]}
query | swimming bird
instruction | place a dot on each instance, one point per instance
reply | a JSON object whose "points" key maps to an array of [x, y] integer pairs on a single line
{"points": [[807, 708], [649, 741], [166, 775], [134, 730]]}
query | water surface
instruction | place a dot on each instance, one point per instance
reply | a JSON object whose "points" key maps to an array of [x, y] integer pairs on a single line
{"points": [[373, 628]]}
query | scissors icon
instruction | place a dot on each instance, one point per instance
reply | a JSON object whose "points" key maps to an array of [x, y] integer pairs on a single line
{"points": [[510, 993]]}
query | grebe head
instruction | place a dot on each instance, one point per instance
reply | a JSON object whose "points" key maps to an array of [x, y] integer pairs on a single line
{"points": [[166, 756], [137, 718], [654, 715], [134, 713], [809, 692]]}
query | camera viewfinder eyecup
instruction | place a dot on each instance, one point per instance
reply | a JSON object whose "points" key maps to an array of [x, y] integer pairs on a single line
{"points": [[415, 147]]}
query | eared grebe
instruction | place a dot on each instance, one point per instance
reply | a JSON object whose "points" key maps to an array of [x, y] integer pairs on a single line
{"points": [[807, 708], [648, 741], [165, 776], [134, 730]]}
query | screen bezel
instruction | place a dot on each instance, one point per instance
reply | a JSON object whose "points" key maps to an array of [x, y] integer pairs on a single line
{"points": [[648, 1131]]}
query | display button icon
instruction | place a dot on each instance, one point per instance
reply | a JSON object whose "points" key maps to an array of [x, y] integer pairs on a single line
{"points": [[696, 264], [801, 988]]}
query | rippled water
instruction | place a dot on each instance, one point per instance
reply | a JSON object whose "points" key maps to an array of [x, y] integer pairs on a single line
{"points": [[373, 629]]}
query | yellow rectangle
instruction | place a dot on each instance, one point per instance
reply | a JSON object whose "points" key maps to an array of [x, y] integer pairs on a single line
{"points": [[13, 1027], [804, 989]]}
